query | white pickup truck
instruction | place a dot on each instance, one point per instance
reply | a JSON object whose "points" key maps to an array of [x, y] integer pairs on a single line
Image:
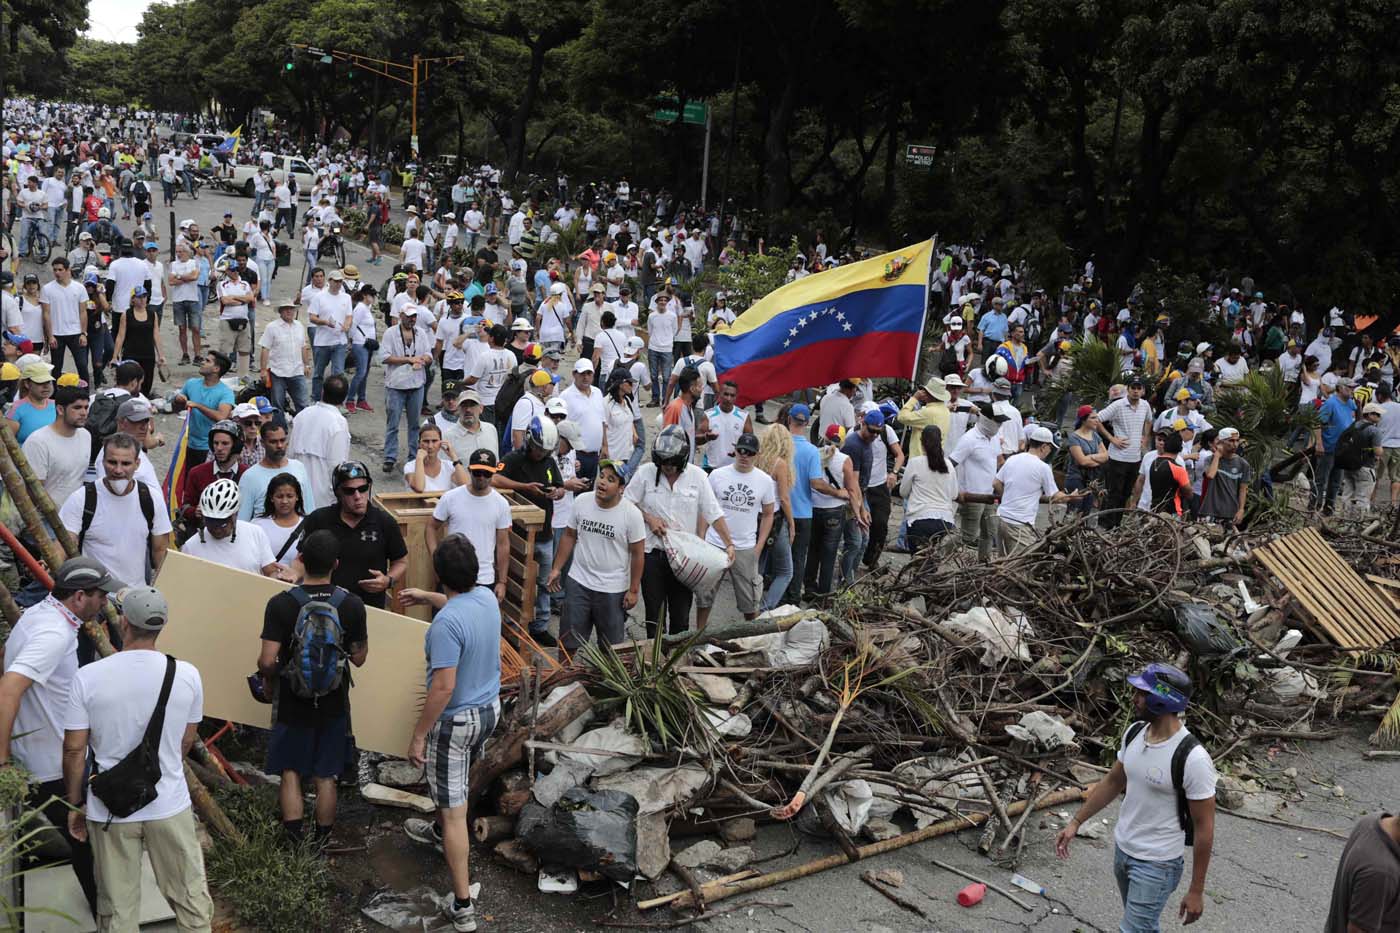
{"points": [[240, 177]]}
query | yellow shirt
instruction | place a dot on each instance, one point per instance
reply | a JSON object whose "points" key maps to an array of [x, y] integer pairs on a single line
{"points": [[916, 419]]}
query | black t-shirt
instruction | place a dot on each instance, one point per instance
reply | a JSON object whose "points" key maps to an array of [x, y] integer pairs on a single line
{"points": [[249, 274], [486, 271], [523, 468], [279, 622], [372, 544], [1368, 879]]}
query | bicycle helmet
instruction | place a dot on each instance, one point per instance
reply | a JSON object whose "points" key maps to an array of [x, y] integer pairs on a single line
{"points": [[542, 434], [104, 213], [228, 427], [219, 499], [350, 469], [1168, 688], [672, 447], [890, 410]]}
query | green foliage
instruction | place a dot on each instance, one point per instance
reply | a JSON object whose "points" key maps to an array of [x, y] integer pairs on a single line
{"points": [[748, 278], [393, 234], [1262, 410], [356, 222], [1095, 368], [655, 702], [569, 243], [270, 885]]}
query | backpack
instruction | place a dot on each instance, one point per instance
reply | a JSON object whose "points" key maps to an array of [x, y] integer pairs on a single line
{"points": [[143, 492], [1183, 750], [102, 420], [1351, 449], [316, 664], [512, 391]]}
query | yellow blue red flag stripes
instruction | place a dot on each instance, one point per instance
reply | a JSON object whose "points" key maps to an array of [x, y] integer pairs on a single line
{"points": [[175, 476], [864, 319], [231, 142]]}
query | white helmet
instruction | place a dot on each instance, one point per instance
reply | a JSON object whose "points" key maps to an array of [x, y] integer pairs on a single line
{"points": [[542, 433], [219, 499], [995, 368], [104, 213]]}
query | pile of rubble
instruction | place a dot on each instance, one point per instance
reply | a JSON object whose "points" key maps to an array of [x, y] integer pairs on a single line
{"points": [[940, 696]]}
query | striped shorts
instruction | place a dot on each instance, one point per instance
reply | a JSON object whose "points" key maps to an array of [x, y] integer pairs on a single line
{"points": [[450, 746]]}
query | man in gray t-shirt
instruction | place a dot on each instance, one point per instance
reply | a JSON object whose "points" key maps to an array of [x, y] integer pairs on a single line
{"points": [[1359, 484], [1366, 894], [1226, 481]]}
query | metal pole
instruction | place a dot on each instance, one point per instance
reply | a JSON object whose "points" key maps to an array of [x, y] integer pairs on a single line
{"points": [[705, 172], [413, 137]]}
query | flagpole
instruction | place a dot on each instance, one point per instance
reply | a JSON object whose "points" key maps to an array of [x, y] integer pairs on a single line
{"points": [[923, 322]]}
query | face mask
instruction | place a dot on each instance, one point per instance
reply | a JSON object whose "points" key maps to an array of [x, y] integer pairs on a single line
{"points": [[449, 416], [988, 426]]}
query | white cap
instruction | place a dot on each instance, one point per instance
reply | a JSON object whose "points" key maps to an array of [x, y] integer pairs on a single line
{"points": [[1040, 434], [1227, 434], [635, 344], [521, 324], [556, 406], [583, 365], [557, 288], [953, 379]]}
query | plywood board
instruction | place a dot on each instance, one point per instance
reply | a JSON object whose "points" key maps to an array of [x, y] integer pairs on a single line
{"points": [[216, 616], [56, 887], [1342, 605]]}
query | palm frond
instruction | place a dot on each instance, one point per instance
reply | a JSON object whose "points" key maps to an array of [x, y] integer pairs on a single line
{"points": [[1094, 366], [1261, 408]]}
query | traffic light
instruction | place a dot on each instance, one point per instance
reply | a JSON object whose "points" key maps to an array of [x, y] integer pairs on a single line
{"points": [[291, 65]]}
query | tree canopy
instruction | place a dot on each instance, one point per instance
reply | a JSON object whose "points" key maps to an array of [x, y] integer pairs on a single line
{"points": [[1186, 134]]}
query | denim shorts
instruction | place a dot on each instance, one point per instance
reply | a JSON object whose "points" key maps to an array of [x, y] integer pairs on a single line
{"points": [[188, 314]]}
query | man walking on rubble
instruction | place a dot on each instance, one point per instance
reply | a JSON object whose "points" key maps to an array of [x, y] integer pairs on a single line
{"points": [[1168, 782]]}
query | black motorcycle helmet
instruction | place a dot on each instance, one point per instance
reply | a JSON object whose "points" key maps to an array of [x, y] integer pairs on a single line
{"points": [[672, 448]]}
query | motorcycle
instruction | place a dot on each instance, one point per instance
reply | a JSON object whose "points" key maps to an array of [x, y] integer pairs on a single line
{"points": [[333, 245]]}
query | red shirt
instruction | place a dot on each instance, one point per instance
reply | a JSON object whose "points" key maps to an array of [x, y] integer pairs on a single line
{"points": [[195, 481], [91, 205]]}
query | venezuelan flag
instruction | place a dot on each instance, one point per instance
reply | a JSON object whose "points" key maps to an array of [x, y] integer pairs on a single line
{"points": [[175, 475], [864, 319], [231, 142]]}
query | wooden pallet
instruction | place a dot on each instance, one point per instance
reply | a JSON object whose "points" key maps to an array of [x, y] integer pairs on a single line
{"points": [[1342, 606]]}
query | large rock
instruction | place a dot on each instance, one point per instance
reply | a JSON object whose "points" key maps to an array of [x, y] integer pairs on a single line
{"points": [[738, 829], [719, 689], [400, 774], [730, 860], [699, 854]]}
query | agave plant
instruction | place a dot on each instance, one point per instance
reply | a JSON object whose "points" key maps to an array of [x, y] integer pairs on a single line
{"points": [[656, 703], [1094, 367]]}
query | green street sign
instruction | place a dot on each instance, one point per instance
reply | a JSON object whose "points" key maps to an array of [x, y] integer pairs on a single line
{"points": [[696, 111], [920, 156]]}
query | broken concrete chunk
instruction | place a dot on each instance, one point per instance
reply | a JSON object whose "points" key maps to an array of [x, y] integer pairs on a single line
{"points": [[1094, 829], [699, 854], [399, 774], [719, 689], [730, 860], [878, 830]]}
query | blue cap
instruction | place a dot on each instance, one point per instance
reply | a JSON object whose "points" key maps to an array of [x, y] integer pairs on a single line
{"points": [[875, 419], [146, 216], [139, 292], [477, 319], [264, 405], [491, 288], [91, 278], [152, 244], [800, 411], [1067, 328]]}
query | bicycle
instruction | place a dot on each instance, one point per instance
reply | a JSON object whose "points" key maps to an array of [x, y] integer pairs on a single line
{"points": [[38, 245]]}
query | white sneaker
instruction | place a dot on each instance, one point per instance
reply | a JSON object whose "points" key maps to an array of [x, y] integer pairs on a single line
{"points": [[463, 918]]}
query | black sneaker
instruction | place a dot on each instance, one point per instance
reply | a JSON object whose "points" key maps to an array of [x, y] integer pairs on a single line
{"points": [[545, 640], [388, 466]]}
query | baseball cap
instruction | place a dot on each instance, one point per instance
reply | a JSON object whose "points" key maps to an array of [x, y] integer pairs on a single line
{"points": [[1179, 424], [539, 378], [469, 397], [1372, 409], [84, 573], [557, 288], [37, 372], [1002, 386], [152, 244], [874, 419], [800, 412], [335, 275], [556, 406], [9, 372], [1182, 394], [144, 607], [521, 324], [410, 309], [1197, 365], [597, 289], [1040, 434], [834, 432], [1084, 411], [244, 410], [1136, 381], [635, 344], [747, 443], [1227, 433], [988, 410], [583, 365], [134, 409], [482, 461], [491, 289]]}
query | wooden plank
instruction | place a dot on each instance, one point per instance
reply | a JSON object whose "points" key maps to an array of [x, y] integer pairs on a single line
{"points": [[1350, 612]]}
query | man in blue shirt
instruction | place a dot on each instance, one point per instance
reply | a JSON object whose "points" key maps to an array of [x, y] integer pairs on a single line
{"points": [[463, 648], [208, 401], [860, 447], [1336, 415], [807, 466], [993, 327]]}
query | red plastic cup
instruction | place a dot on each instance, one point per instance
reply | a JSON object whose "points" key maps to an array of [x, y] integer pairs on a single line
{"points": [[972, 894]]}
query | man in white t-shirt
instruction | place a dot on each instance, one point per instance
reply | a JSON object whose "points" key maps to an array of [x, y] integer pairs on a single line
{"points": [[414, 252], [107, 714], [481, 515], [1232, 369], [585, 402], [662, 326], [603, 550], [332, 313], [747, 496], [284, 357], [1020, 483], [1150, 836], [184, 300], [129, 527], [490, 372], [65, 305], [223, 539], [41, 661], [58, 453], [126, 272], [976, 456]]}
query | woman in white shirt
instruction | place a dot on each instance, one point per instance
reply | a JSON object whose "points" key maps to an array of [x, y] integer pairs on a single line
{"points": [[619, 417], [265, 253], [930, 492], [283, 511], [362, 341], [429, 471]]}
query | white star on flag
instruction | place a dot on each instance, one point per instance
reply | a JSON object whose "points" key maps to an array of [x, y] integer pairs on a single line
{"points": [[787, 343], [802, 321], [840, 316], [846, 326], [792, 332]]}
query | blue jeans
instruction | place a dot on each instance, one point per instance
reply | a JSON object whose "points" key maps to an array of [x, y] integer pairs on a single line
{"points": [[660, 366], [557, 600], [777, 564], [800, 542], [828, 526], [320, 356], [265, 269], [357, 385], [1327, 480], [397, 403], [1144, 887], [282, 386], [544, 556], [853, 540], [27, 228], [56, 215], [634, 461]]}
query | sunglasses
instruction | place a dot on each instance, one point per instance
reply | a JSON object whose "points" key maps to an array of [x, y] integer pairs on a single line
{"points": [[355, 490], [217, 522]]}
